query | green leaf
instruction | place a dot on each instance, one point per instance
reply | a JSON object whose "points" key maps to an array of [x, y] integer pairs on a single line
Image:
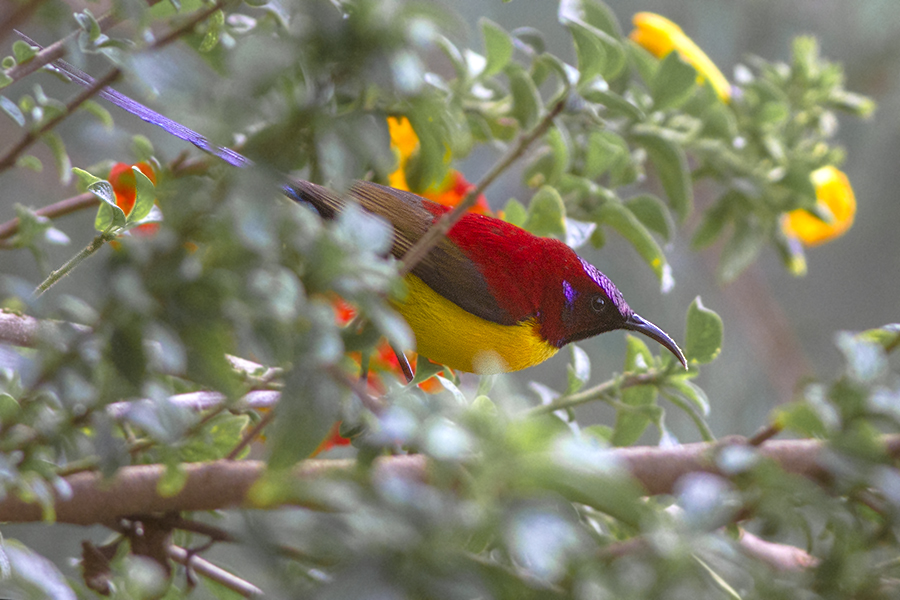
{"points": [[546, 213], [109, 215], [10, 108], [579, 370], [652, 213], [498, 47], [589, 52], [30, 161], [173, 479], [141, 148], [617, 216], [888, 336], [5, 80], [605, 151], [615, 104], [52, 140], [214, 28], [672, 167], [673, 84], [703, 335], [643, 62], [89, 24], [596, 39], [691, 392], [145, 195], [741, 250], [531, 37], [599, 15], [9, 409], [425, 369], [515, 212], [98, 111], [560, 144], [631, 424], [526, 100], [714, 220], [85, 179], [801, 418], [218, 437], [23, 52]]}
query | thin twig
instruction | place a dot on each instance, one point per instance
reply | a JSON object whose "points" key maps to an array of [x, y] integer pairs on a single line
{"points": [[428, 241], [213, 572], [597, 392], [53, 52], [73, 262], [9, 159], [764, 434], [251, 435], [51, 211]]}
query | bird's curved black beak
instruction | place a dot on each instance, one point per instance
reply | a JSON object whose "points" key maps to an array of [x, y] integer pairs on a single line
{"points": [[638, 323]]}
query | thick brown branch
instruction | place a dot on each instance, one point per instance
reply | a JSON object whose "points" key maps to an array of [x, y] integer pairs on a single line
{"points": [[22, 330], [225, 483]]}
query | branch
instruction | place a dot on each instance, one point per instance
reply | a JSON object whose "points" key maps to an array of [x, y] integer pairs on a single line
{"points": [[25, 331], [9, 159], [73, 262], [212, 572], [53, 52], [779, 556], [208, 486], [57, 209], [225, 484], [428, 241], [626, 380]]}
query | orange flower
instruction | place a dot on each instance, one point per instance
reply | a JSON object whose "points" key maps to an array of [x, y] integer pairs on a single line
{"points": [[659, 36], [121, 177], [331, 440], [450, 191], [383, 359], [833, 195], [453, 189]]}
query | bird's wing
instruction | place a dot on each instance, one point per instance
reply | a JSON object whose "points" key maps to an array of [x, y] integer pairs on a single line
{"points": [[445, 269]]}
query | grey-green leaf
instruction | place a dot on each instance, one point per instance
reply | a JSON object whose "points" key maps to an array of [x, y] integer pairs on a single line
{"points": [[498, 47], [703, 338], [673, 82], [672, 167], [145, 195], [617, 216]]}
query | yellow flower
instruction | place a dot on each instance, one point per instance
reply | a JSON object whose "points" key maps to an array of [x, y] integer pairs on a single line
{"points": [[833, 195], [404, 142], [659, 36]]}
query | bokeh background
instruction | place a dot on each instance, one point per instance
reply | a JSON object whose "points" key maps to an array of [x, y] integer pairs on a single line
{"points": [[778, 329]]}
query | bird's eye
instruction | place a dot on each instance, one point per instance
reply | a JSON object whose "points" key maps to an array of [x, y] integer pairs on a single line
{"points": [[598, 303]]}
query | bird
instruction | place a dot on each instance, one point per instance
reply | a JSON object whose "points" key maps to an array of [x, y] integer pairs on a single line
{"points": [[490, 297]]}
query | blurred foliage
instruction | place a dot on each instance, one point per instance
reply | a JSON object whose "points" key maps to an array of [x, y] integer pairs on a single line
{"points": [[521, 502]]}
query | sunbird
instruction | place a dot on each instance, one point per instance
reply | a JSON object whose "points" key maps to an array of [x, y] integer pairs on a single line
{"points": [[489, 297]]}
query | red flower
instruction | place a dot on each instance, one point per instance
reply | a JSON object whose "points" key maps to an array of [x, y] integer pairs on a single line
{"points": [[121, 177]]}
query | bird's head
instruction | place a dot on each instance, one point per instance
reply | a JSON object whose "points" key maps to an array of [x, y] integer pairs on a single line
{"points": [[587, 303]]}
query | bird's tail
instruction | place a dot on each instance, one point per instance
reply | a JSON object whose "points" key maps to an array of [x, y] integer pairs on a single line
{"points": [[323, 200]]}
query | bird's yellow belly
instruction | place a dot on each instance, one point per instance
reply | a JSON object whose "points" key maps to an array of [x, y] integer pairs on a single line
{"points": [[451, 336]]}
